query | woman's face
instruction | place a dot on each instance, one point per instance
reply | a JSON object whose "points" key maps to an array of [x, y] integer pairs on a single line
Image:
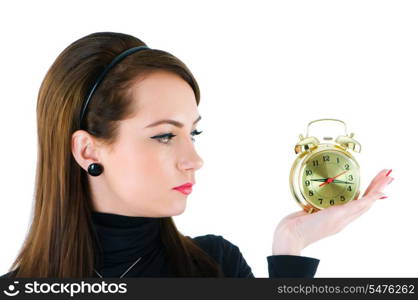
{"points": [[140, 171]]}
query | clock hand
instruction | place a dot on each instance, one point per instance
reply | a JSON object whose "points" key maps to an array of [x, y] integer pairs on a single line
{"points": [[320, 179], [340, 181], [329, 180]]}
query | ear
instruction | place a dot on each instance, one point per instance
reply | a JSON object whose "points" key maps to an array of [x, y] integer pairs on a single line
{"points": [[84, 148]]}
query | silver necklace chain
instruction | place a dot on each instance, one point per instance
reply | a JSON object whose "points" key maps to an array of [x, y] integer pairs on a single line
{"points": [[124, 272]]}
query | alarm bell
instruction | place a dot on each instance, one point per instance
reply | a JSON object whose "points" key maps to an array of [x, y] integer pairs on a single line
{"points": [[306, 143], [348, 142]]}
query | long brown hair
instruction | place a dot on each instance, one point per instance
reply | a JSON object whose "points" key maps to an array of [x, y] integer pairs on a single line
{"points": [[60, 241]]}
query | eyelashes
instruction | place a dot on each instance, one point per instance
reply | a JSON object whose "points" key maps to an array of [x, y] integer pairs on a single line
{"points": [[166, 138]]}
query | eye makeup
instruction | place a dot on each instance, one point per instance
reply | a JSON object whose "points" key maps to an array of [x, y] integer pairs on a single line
{"points": [[166, 138]]}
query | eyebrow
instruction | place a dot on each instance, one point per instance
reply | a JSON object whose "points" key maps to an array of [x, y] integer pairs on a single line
{"points": [[172, 122]]}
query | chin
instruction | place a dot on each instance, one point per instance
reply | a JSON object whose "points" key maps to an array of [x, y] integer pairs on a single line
{"points": [[178, 213], [178, 209]]}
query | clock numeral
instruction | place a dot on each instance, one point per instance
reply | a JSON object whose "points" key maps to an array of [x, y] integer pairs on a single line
{"points": [[342, 198], [320, 200], [349, 188], [308, 172], [338, 160], [331, 202], [350, 177], [307, 182], [347, 167], [310, 193], [315, 163], [325, 158]]}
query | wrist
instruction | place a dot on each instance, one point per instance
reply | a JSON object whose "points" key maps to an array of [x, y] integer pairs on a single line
{"points": [[286, 244]]}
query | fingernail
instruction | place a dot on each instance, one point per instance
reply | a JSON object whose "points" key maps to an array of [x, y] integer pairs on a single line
{"points": [[384, 197], [391, 181], [390, 171]]}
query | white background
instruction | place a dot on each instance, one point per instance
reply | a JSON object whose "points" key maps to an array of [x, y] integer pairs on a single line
{"points": [[265, 69]]}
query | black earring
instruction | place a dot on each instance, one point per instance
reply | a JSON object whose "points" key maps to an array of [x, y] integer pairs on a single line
{"points": [[95, 169]]}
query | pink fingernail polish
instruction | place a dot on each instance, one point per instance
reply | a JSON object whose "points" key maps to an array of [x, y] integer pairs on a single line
{"points": [[390, 171], [384, 197]]}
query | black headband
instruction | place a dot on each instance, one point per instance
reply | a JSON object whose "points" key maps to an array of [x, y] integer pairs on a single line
{"points": [[103, 74]]}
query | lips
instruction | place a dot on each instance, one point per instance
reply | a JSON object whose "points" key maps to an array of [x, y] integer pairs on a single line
{"points": [[185, 188]]}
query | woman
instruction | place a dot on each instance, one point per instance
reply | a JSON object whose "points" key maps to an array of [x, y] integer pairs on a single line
{"points": [[116, 124]]}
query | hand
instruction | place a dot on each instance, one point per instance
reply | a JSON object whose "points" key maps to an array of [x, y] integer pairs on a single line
{"points": [[300, 229], [329, 180]]}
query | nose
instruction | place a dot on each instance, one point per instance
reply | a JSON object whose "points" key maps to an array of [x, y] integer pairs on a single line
{"points": [[193, 162], [191, 159]]}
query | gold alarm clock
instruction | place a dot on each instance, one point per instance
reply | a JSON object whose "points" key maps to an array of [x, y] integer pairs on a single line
{"points": [[325, 174]]}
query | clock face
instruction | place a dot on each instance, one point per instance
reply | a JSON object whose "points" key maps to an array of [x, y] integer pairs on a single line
{"points": [[329, 178]]}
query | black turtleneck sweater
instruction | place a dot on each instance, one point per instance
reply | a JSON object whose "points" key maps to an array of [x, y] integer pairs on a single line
{"points": [[123, 239]]}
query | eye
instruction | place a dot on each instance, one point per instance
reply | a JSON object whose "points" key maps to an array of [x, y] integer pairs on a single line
{"points": [[166, 138], [195, 132]]}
